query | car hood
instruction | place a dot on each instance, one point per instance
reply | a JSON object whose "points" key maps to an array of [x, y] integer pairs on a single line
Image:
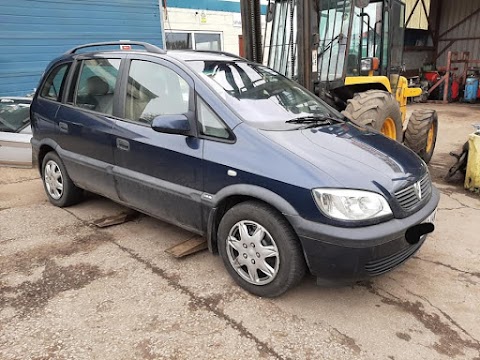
{"points": [[353, 157]]}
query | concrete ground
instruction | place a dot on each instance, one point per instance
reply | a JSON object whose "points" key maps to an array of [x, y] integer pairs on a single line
{"points": [[69, 290]]}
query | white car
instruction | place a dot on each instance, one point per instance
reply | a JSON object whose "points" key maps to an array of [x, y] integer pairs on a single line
{"points": [[15, 132]]}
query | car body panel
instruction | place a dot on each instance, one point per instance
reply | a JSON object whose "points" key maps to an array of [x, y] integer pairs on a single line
{"points": [[344, 254], [89, 138], [262, 164], [146, 178], [15, 149], [355, 159]]}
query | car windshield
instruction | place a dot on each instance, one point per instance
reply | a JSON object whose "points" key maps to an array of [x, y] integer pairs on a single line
{"points": [[14, 114], [261, 96]]}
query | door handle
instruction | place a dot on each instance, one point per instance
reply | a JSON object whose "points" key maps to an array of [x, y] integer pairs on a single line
{"points": [[123, 144], [63, 127]]}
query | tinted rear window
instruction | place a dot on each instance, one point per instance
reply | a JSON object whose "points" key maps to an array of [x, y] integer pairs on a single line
{"points": [[53, 86]]}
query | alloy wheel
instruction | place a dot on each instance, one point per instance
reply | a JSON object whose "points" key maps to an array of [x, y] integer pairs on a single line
{"points": [[253, 253], [53, 180]]}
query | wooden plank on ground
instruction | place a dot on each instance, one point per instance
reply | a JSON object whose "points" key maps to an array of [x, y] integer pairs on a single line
{"points": [[116, 219], [188, 247]]}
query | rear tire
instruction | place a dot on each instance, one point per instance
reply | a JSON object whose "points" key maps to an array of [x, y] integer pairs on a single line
{"points": [[378, 110], [275, 249], [60, 189], [421, 134]]}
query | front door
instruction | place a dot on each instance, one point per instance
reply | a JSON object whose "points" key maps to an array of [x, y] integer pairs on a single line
{"points": [[158, 173]]}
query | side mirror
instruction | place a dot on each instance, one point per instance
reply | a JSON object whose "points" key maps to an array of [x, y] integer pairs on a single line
{"points": [[172, 124]]}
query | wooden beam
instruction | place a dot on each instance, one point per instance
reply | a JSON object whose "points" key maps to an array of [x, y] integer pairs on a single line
{"points": [[427, 13], [188, 247], [117, 219], [411, 14], [460, 23]]}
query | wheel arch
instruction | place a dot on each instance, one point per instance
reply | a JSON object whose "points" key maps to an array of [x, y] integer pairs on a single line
{"points": [[44, 148], [230, 196]]}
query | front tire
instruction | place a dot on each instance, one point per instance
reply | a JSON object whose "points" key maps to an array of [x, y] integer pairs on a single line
{"points": [[421, 134], [378, 110], [60, 189], [260, 250]]}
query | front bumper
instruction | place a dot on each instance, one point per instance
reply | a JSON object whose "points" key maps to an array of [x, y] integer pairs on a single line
{"points": [[344, 255]]}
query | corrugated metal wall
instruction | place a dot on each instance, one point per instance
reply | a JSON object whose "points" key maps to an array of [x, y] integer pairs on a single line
{"points": [[33, 32], [452, 13]]}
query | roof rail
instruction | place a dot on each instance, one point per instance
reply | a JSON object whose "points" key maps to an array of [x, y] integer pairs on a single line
{"points": [[225, 53], [145, 45]]}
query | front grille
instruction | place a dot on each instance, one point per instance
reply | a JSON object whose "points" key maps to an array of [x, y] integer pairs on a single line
{"points": [[408, 197], [387, 263]]}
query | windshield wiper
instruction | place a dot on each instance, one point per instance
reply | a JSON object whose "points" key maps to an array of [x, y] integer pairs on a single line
{"points": [[315, 120]]}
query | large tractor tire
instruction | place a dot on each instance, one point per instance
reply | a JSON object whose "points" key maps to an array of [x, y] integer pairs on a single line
{"points": [[421, 134], [378, 110]]}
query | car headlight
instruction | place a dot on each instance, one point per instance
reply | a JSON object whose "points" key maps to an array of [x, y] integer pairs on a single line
{"points": [[351, 205]]}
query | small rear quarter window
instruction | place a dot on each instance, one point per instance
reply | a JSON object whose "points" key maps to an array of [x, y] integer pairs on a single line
{"points": [[53, 86]]}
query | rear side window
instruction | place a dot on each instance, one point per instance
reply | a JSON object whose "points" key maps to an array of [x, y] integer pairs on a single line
{"points": [[53, 87], [96, 85]]}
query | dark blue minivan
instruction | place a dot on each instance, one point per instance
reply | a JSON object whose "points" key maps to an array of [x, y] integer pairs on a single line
{"points": [[276, 180]]}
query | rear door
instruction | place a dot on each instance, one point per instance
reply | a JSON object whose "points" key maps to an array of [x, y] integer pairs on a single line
{"points": [[158, 173], [47, 102], [85, 124]]}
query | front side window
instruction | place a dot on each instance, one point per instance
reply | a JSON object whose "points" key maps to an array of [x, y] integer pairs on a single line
{"points": [[96, 85], [154, 90], [210, 123], [53, 86], [261, 96]]}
